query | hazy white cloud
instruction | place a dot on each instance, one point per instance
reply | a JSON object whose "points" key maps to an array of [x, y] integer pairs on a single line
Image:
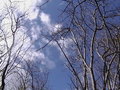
{"points": [[21, 6], [28, 49]]}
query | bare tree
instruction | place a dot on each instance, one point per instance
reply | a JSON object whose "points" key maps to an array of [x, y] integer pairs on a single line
{"points": [[30, 77], [91, 29], [37, 77], [12, 60], [10, 24]]}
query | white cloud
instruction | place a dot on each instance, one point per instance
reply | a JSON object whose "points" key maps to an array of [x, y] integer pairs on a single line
{"points": [[51, 27], [57, 27], [45, 18], [33, 14]]}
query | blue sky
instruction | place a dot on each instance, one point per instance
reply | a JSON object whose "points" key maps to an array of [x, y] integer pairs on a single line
{"points": [[48, 19], [35, 28], [59, 76]]}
